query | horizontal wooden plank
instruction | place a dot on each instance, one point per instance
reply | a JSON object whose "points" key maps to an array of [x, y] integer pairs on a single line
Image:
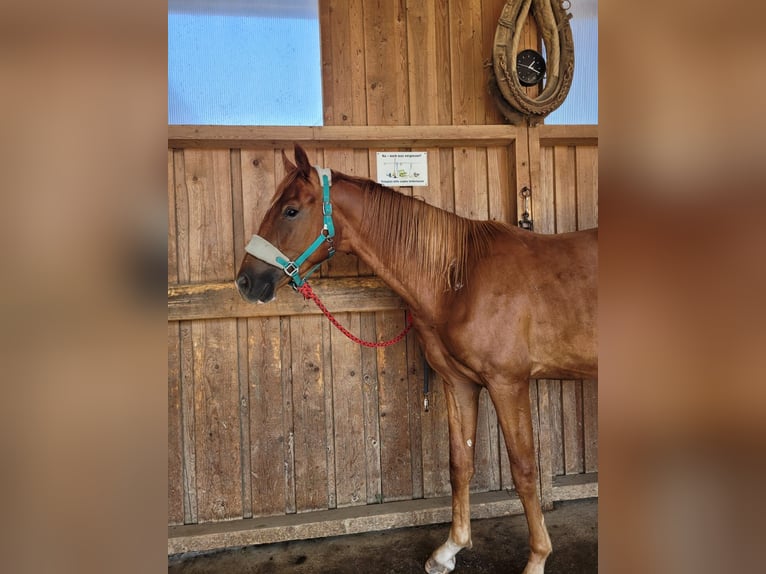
{"points": [[382, 137], [336, 522], [568, 135], [575, 486], [357, 519], [221, 299]]}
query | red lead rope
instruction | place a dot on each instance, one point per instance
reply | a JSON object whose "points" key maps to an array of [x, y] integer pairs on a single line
{"points": [[308, 293]]}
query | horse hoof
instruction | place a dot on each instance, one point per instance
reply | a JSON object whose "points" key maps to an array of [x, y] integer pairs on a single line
{"points": [[433, 567]]}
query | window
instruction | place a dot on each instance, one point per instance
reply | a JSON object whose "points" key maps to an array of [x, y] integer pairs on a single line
{"points": [[244, 62], [581, 104]]}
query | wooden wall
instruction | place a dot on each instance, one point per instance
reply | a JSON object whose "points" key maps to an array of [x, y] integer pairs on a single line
{"points": [[272, 412]]}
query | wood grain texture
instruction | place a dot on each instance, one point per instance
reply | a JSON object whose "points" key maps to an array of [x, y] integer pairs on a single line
{"points": [[309, 412], [393, 397], [348, 415], [385, 51], [268, 435], [221, 299], [175, 432], [373, 136]]}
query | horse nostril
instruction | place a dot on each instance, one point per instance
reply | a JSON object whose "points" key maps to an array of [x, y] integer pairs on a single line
{"points": [[243, 283]]}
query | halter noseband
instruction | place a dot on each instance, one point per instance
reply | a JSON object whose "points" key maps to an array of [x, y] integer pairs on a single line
{"points": [[262, 249]]}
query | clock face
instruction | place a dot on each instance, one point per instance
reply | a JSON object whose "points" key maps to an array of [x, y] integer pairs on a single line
{"points": [[530, 67]]}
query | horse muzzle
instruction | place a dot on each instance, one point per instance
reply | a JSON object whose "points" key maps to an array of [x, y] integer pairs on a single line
{"points": [[259, 287]]}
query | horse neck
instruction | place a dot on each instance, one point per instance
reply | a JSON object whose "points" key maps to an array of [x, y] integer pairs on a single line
{"points": [[422, 252]]}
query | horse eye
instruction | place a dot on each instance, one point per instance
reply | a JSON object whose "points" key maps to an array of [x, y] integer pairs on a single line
{"points": [[290, 212]]}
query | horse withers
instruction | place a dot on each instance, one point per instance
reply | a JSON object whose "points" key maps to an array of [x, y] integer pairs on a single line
{"points": [[492, 306]]}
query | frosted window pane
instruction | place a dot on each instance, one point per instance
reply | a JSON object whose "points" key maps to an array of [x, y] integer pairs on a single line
{"points": [[234, 63], [581, 104]]}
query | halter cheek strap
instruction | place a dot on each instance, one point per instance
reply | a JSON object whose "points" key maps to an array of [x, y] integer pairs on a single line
{"points": [[262, 249]]}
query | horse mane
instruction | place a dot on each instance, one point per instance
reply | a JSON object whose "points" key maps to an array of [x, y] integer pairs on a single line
{"points": [[420, 238]]}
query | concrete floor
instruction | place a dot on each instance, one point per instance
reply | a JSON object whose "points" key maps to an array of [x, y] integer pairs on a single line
{"points": [[499, 545]]}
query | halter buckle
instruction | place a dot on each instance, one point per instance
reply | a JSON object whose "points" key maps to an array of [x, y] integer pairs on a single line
{"points": [[291, 269]]}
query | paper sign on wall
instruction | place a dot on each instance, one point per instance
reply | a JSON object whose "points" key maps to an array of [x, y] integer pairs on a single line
{"points": [[403, 168]]}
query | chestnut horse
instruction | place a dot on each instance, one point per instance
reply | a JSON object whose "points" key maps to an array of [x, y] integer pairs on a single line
{"points": [[492, 306]]}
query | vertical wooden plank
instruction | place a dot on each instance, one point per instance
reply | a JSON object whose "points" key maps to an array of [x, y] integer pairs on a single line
{"points": [[288, 410], [436, 442], [395, 444], [545, 444], [370, 394], [590, 425], [587, 186], [565, 188], [343, 74], [587, 217], [186, 362], [490, 12], [488, 447], [216, 385], [443, 51], [499, 185], [556, 425], [259, 182], [572, 413], [172, 227], [329, 420], [242, 342], [422, 62], [470, 184], [216, 408], [208, 186], [310, 439], [175, 443], [266, 420], [415, 402], [466, 58], [543, 196], [388, 104], [348, 414], [188, 424], [263, 355], [385, 50]]}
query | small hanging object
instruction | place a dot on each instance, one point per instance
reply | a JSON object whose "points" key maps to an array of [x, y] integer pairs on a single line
{"points": [[525, 222]]}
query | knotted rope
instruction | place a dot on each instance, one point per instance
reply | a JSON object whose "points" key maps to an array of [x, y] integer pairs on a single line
{"points": [[308, 293], [553, 22]]}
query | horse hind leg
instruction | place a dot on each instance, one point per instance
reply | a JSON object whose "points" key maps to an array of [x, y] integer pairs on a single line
{"points": [[462, 412], [511, 400]]}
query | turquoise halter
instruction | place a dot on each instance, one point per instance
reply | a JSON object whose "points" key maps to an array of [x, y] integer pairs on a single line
{"points": [[262, 249]]}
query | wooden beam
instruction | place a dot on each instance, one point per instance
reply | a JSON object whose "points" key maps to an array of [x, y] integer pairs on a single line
{"points": [[568, 135], [358, 519], [221, 299], [336, 522], [381, 137]]}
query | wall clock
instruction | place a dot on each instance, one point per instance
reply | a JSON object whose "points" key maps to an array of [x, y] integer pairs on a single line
{"points": [[530, 67]]}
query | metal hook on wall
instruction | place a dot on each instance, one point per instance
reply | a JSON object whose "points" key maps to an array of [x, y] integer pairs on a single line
{"points": [[525, 222]]}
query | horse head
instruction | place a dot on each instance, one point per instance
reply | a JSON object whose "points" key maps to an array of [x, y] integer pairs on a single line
{"points": [[295, 219]]}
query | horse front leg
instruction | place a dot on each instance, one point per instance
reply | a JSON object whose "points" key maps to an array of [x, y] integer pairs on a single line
{"points": [[511, 400], [462, 411]]}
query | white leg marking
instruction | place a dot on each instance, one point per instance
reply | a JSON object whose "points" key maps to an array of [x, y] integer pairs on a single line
{"points": [[443, 558]]}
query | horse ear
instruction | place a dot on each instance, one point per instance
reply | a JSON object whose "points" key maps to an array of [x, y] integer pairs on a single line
{"points": [[303, 161], [289, 166]]}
